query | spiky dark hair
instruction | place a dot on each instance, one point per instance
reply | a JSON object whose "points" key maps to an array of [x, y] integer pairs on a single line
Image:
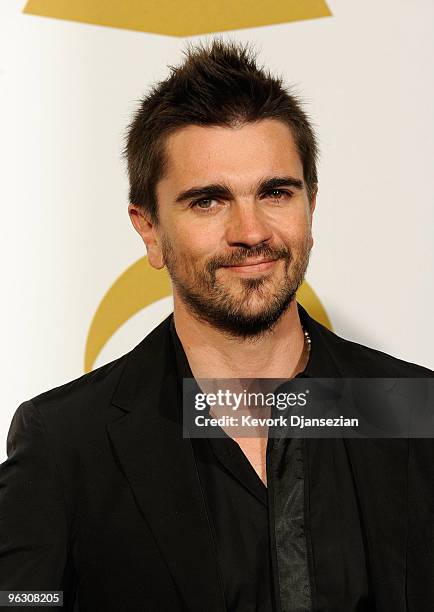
{"points": [[217, 84]]}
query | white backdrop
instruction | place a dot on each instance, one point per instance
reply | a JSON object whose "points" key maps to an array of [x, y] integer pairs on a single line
{"points": [[67, 93]]}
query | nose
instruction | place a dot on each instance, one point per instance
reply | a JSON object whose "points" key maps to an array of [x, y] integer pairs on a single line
{"points": [[246, 225]]}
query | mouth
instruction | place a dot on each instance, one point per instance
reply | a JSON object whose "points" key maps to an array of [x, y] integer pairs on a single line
{"points": [[253, 265]]}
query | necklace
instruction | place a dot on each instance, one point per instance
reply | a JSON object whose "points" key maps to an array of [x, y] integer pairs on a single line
{"points": [[307, 340], [304, 357]]}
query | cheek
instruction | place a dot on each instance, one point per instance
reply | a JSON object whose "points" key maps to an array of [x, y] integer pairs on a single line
{"points": [[292, 224], [199, 239], [191, 246], [295, 232]]}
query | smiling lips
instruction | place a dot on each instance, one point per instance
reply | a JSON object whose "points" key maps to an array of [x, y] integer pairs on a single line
{"points": [[259, 265]]}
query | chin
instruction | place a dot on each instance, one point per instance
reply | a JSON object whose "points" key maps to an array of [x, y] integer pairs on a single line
{"points": [[253, 326]]}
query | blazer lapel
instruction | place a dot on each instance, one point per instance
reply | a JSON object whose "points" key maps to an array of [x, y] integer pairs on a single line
{"points": [[160, 467]]}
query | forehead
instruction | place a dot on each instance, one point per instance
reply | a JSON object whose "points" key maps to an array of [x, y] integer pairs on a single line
{"points": [[237, 155]]}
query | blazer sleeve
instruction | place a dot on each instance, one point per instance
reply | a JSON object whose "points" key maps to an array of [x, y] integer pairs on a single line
{"points": [[420, 550], [33, 522]]}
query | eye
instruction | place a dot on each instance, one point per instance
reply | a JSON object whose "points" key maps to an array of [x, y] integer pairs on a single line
{"points": [[205, 204], [278, 194]]}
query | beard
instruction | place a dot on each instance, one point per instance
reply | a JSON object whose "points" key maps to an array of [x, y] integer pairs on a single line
{"points": [[240, 307]]}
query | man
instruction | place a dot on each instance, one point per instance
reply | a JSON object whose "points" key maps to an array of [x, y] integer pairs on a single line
{"points": [[104, 498]]}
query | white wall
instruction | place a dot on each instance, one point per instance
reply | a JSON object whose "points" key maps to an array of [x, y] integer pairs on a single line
{"points": [[67, 91]]}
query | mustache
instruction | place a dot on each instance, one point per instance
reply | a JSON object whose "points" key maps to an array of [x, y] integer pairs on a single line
{"points": [[241, 255]]}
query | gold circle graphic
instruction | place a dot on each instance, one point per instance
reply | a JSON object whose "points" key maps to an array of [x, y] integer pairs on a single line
{"points": [[141, 285]]}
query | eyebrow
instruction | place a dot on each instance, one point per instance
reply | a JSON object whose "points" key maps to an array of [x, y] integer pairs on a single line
{"points": [[222, 190]]}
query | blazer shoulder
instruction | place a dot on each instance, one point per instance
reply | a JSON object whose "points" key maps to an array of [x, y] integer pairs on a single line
{"points": [[93, 389], [88, 395], [360, 360]]}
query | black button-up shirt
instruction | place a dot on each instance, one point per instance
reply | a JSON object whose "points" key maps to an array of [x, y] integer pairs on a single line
{"points": [[296, 546]]}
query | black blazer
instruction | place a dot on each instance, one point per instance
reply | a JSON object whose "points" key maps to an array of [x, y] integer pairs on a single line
{"points": [[100, 497]]}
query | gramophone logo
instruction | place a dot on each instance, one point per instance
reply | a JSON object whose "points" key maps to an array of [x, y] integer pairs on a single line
{"points": [[187, 18]]}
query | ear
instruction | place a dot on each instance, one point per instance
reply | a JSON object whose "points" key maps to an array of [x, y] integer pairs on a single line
{"points": [[312, 205], [313, 202], [147, 229]]}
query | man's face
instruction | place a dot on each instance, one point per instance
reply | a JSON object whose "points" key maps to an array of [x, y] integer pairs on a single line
{"points": [[234, 223]]}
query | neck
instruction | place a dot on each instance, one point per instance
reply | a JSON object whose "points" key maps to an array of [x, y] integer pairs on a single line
{"points": [[211, 353]]}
